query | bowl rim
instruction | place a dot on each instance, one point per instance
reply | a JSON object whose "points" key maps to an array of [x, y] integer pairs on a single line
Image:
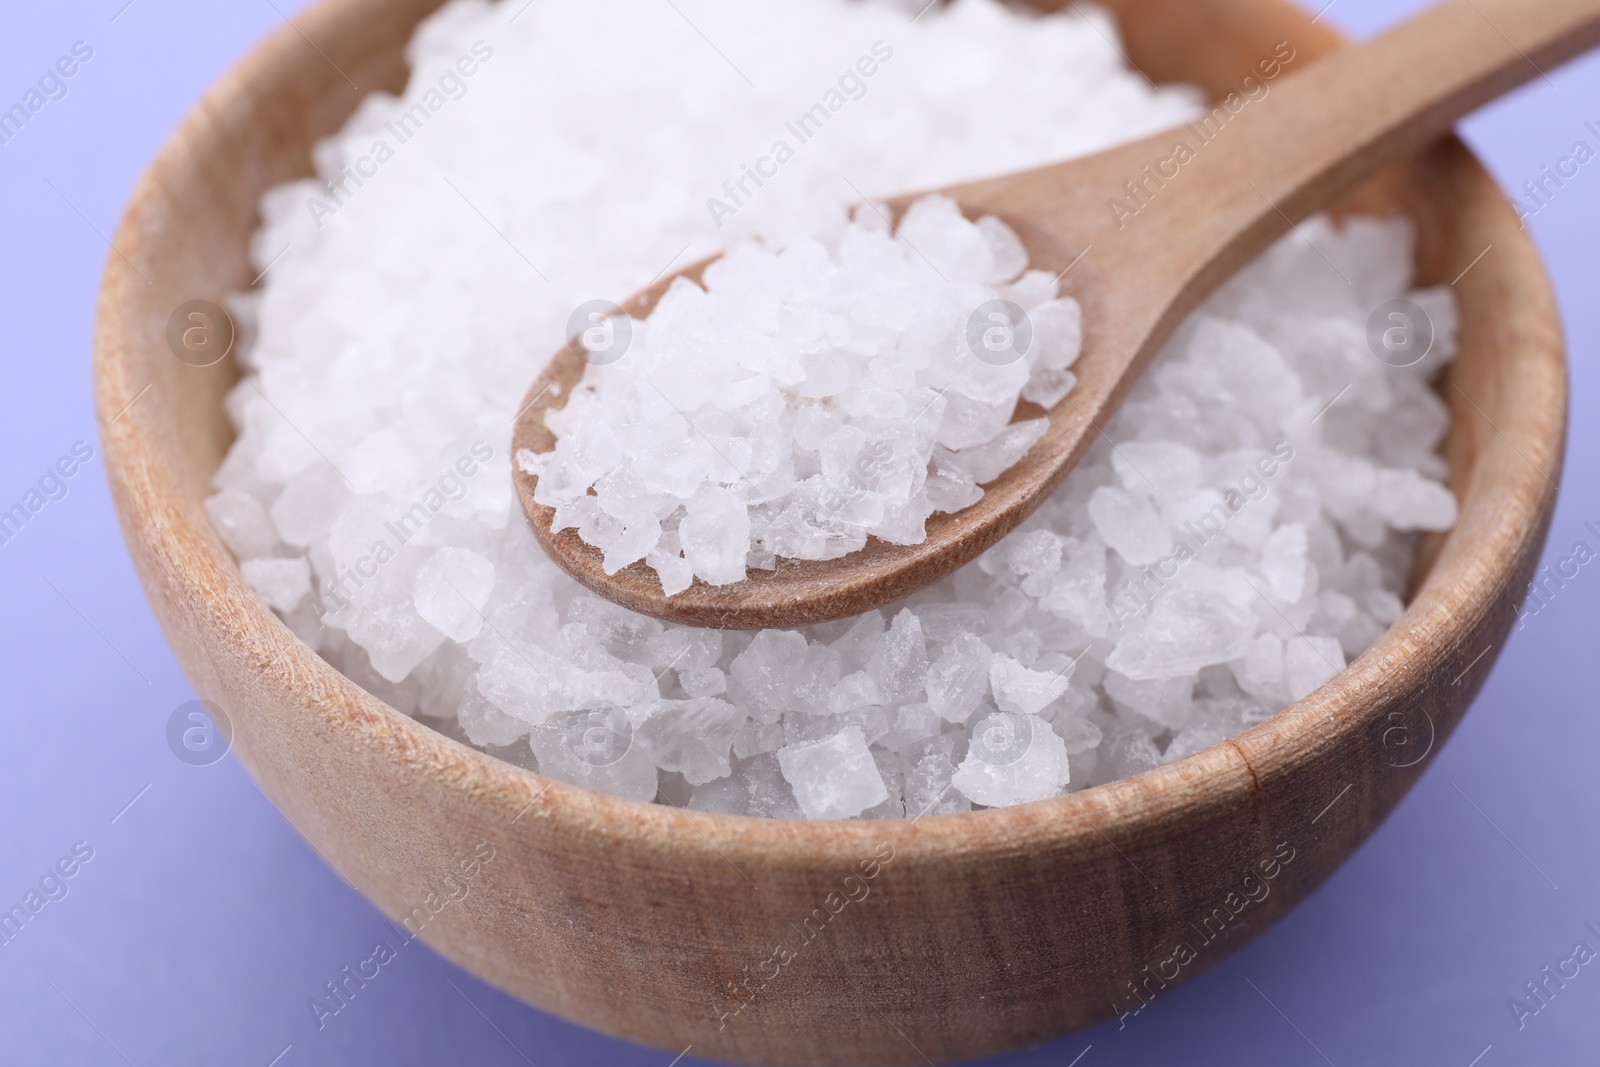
{"points": [[196, 569]]}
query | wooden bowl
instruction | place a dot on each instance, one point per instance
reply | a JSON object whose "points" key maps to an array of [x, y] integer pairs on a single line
{"points": [[821, 942]]}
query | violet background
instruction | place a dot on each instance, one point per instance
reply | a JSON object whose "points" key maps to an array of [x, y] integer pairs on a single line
{"points": [[204, 923]]}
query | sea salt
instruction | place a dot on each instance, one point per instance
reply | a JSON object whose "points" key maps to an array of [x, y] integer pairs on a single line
{"points": [[811, 395], [1013, 757], [834, 778], [1243, 528], [452, 590], [282, 583]]}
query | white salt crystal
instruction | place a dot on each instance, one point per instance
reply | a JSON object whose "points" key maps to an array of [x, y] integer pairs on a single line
{"points": [[986, 462], [1014, 758], [242, 522], [1309, 661], [959, 678], [1079, 733], [1283, 562], [1005, 249], [638, 538], [1214, 721], [716, 536], [282, 583], [1184, 633], [1034, 554], [856, 645], [1128, 750], [692, 737], [1046, 387], [1383, 605], [899, 664], [1167, 466], [1408, 501], [770, 794], [486, 724], [1057, 333], [1128, 522], [721, 796], [955, 248], [1026, 690], [1031, 292], [858, 690], [527, 683], [834, 778], [452, 590], [676, 572], [765, 670], [396, 638], [1078, 589], [756, 737], [530, 462], [1263, 664], [1168, 701], [562, 744], [305, 510], [928, 788], [702, 682], [683, 648], [755, 788]]}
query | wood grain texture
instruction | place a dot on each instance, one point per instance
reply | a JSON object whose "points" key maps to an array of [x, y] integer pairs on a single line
{"points": [[986, 931], [1279, 151]]}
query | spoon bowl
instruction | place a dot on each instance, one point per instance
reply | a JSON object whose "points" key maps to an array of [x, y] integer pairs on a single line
{"points": [[1146, 231]]}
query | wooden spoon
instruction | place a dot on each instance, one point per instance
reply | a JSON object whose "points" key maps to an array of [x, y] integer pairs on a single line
{"points": [[1253, 167]]}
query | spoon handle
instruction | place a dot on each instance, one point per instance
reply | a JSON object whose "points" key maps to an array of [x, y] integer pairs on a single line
{"points": [[1357, 111], [1320, 131]]}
